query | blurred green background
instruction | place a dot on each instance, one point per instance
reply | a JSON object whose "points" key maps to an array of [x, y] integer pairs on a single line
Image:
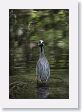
{"points": [[26, 28]]}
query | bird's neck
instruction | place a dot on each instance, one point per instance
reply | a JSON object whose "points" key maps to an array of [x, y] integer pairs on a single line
{"points": [[42, 51]]}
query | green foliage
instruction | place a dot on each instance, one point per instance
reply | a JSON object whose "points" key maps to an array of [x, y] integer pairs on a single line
{"points": [[26, 28]]}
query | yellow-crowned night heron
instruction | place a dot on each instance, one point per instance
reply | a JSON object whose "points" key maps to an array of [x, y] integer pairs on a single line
{"points": [[42, 67]]}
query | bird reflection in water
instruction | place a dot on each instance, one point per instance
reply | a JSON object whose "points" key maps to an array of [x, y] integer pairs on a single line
{"points": [[42, 91]]}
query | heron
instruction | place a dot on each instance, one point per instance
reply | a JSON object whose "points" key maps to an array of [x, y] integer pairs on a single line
{"points": [[42, 67]]}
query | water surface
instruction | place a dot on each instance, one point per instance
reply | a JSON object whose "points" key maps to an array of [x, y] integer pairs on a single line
{"points": [[27, 27]]}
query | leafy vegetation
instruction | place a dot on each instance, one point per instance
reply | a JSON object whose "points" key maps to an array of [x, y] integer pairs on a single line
{"points": [[26, 28]]}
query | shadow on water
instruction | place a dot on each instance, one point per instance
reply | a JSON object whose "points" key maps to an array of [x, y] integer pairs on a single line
{"points": [[42, 91]]}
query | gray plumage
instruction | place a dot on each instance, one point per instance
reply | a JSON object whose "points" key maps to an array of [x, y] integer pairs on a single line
{"points": [[42, 68]]}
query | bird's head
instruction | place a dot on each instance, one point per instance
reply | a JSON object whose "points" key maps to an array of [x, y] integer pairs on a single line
{"points": [[41, 43]]}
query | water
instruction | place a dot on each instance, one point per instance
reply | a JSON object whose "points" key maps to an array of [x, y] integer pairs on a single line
{"points": [[26, 28], [23, 80]]}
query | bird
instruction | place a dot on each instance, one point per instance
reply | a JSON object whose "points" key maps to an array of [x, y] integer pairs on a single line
{"points": [[42, 67]]}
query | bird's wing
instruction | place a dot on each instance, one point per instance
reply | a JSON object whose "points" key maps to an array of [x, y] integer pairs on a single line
{"points": [[43, 68]]}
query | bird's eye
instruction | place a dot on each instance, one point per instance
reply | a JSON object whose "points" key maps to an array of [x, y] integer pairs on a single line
{"points": [[41, 42]]}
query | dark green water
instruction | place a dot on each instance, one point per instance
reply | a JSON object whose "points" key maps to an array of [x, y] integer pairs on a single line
{"points": [[23, 81], [24, 54]]}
